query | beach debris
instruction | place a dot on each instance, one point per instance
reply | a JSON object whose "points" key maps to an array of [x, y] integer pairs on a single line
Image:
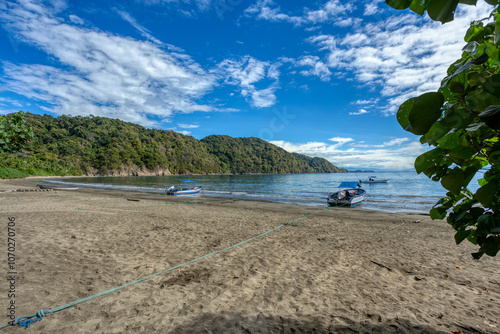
{"points": [[416, 221], [457, 332], [458, 267], [418, 278], [133, 200], [73, 237], [440, 316], [381, 265]]}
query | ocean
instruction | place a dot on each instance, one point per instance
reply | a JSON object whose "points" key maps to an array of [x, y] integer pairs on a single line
{"points": [[405, 191]]}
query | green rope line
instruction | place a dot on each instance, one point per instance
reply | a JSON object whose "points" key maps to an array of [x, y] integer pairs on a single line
{"points": [[40, 314]]}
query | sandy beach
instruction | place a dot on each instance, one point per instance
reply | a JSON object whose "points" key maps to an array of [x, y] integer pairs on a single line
{"points": [[337, 271]]}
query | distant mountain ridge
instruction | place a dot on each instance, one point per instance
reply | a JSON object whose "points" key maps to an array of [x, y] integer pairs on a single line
{"points": [[91, 145]]}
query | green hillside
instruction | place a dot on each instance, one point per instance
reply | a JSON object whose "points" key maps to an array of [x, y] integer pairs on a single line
{"points": [[102, 146]]}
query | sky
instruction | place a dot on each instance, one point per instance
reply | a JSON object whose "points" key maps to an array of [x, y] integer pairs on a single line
{"points": [[323, 78]]}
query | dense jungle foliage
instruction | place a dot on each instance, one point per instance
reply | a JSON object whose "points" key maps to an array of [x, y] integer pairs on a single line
{"points": [[102, 146]]}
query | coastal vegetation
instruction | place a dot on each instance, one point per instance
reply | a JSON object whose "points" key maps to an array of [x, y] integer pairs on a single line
{"points": [[461, 122], [91, 145]]}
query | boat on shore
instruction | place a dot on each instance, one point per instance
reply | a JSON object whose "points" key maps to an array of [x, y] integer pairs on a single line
{"points": [[373, 179], [183, 190], [351, 195], [55, 187]]}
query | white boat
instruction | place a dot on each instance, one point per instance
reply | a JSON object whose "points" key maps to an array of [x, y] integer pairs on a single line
{"points": [[351, 195], [55, 187], [175, 191], [373, 179]]}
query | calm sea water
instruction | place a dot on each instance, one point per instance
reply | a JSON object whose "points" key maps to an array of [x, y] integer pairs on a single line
{"points": [[405, 191]]}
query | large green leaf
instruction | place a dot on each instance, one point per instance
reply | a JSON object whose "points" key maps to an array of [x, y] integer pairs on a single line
{"points": [[491, 246], [425, 111], [461, 235], [453, 180], [398, 4], [436, 132], [419, 6], [442, 10], [403, 115], [491, 116], [428, 159], [485, 194]]}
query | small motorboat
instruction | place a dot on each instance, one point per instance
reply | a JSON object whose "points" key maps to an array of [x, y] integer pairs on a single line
{"points": [[55, 187], [373, 179], [350, 195], [183, 190]]}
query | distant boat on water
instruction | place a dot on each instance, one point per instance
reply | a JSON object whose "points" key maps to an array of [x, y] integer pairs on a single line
{"points": [[350, 196], [373, 179], [175, 191]]}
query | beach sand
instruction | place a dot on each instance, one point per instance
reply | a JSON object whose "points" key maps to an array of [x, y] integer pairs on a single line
{"points": [[338, 271]]}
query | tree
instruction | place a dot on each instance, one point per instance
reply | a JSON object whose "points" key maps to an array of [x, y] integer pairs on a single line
{"points": [[14, 133], [462, 122]]}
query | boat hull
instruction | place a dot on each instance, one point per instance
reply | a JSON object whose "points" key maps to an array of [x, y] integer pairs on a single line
{"points": [[347, 197], [376, 181], [48, 186], [186, 191]]}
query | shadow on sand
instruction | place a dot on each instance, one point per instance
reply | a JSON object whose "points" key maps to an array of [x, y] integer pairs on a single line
{"points": [[233, 323]]}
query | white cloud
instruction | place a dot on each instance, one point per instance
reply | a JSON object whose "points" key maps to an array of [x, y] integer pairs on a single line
{"points": [[144, 32], [188, 126], [402, 55], [76, 20], [359, 112], [331, 11], [101, 74], [246, 73], [393, 155], [371, 8]]}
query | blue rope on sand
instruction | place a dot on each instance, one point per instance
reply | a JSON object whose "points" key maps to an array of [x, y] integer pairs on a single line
{"points": [[27, 320]]}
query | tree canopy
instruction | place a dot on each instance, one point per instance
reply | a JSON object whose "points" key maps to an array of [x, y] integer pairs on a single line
{"points": [[461, 122], [91, 145]]}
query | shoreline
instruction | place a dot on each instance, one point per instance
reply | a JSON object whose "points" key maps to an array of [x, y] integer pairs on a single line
{"points": [[341, 271], [89, 186]]}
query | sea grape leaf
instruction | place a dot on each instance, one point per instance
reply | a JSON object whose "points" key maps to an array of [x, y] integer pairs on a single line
{"points": [[436, 132], [457, 118], [492, 84], [437, 213], [403, 114], [425, 111], [453, 180], [428, 159], [442, 10], [419, 6], [398, 4], [491, 116], [485, 194], [461, 236], [491, 246]]}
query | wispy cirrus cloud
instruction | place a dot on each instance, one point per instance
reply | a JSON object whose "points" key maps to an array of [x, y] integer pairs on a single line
{"points": [[401, 56], [246, 73], [396, 154], [104, 74], [331, 11]]}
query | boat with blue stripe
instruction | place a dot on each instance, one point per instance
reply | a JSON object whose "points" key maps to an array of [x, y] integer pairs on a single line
{"points": [[183, 190], [350, 195]]}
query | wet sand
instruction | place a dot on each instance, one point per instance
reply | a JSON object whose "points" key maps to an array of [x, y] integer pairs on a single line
{"points": [[338, 271]]}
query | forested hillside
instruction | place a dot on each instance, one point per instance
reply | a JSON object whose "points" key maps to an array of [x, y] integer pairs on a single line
{"points": [[254, 155], [101, 146]]}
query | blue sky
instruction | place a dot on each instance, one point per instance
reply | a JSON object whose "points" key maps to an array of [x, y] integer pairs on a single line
{"points": [[322, 78]]}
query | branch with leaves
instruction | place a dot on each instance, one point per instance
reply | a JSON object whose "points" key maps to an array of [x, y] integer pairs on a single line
{"points": [[14, 132], [462, 122]]}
